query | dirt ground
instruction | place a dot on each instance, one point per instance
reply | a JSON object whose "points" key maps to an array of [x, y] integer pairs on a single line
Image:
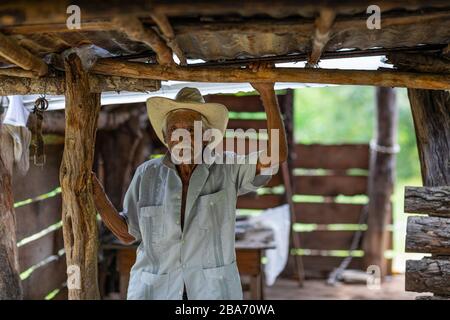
{"points": [[391, 289]]}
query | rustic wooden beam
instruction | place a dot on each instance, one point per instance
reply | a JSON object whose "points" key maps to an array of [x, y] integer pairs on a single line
{"points": [[323, 24], [36, 11], [381, 179], [136, 31], [17, 72], [327, 76], [10, 284], [428, 275], [434, 200], [21, 57], [428, 235], [168, 34], [431, 114], [419, 62], [79, 213], [56, 85]]}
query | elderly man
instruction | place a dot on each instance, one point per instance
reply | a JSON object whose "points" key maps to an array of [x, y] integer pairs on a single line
{"points": [[184, 214]]}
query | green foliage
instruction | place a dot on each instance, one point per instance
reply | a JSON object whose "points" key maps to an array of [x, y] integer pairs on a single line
{"points": [[346, 114]]}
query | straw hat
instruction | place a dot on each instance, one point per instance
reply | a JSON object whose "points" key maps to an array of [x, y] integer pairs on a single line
{"points": [[158, 108]]}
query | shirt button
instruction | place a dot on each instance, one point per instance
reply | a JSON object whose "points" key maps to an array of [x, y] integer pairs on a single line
{"points": [[177, 222], [180, 292], [211, 203], [184, 265]]}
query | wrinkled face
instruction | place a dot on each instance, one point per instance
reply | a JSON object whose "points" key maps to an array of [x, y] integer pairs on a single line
{"points": [[180, 119]]}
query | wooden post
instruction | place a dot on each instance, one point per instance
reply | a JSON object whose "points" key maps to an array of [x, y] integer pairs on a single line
{"points": [[79, 213], [10, 285], [431, 114], [381, 179]]}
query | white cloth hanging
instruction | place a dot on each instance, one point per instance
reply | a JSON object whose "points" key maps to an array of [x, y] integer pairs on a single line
{"points": [[15, 123], [17, 114], [278, 219]]}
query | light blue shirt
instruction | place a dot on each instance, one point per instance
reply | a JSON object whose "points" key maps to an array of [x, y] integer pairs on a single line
{"points": [[202, 256]]}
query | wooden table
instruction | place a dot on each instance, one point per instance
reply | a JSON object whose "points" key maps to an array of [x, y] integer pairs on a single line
{"points": [[249, 253]]}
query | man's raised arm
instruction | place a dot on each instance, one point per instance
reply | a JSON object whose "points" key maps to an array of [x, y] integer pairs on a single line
{"points": [[274, 121]]}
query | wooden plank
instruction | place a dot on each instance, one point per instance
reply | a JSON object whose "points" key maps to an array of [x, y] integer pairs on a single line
{"points": [[261, 202], [249, 262], [333, 157], [45, 179], [428, 275], [38, 250], [247, 124], [428, 235], [328, 213], [62, 294], [428, 200], [237, 103], [331, 185], [326, 240], [36, 216], [45, 279]]}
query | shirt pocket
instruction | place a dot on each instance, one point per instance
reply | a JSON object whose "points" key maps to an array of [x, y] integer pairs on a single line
{"points": [[212, 210], [224, 282], [151, 220]]}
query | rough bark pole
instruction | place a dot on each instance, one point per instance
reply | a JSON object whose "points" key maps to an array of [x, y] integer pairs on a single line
{"points": [[79, 213], [428, 235], [435, 200], [10, 85], [428, 275], [381, 179], [382, 78], [10, 285], [431, 114]]}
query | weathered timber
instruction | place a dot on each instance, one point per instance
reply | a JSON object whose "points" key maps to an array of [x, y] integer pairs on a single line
{"points": [[431, 114], [419, 62], [79, 213], [332, 185], [136, 31], [381, 179], [56, 85], [10, 286], [434, 200], [17, 72], [167, 32], [382, 78], [36, 11], [332, 157], [21, 57], [428, 235], [428, 275], [323, 25]]}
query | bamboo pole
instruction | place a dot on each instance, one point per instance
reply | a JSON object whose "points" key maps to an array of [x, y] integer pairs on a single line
{"points": [[383, 78]]}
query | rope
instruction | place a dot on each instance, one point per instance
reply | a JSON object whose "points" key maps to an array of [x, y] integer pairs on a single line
{"points": [[335, 275], [384, 149]]}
